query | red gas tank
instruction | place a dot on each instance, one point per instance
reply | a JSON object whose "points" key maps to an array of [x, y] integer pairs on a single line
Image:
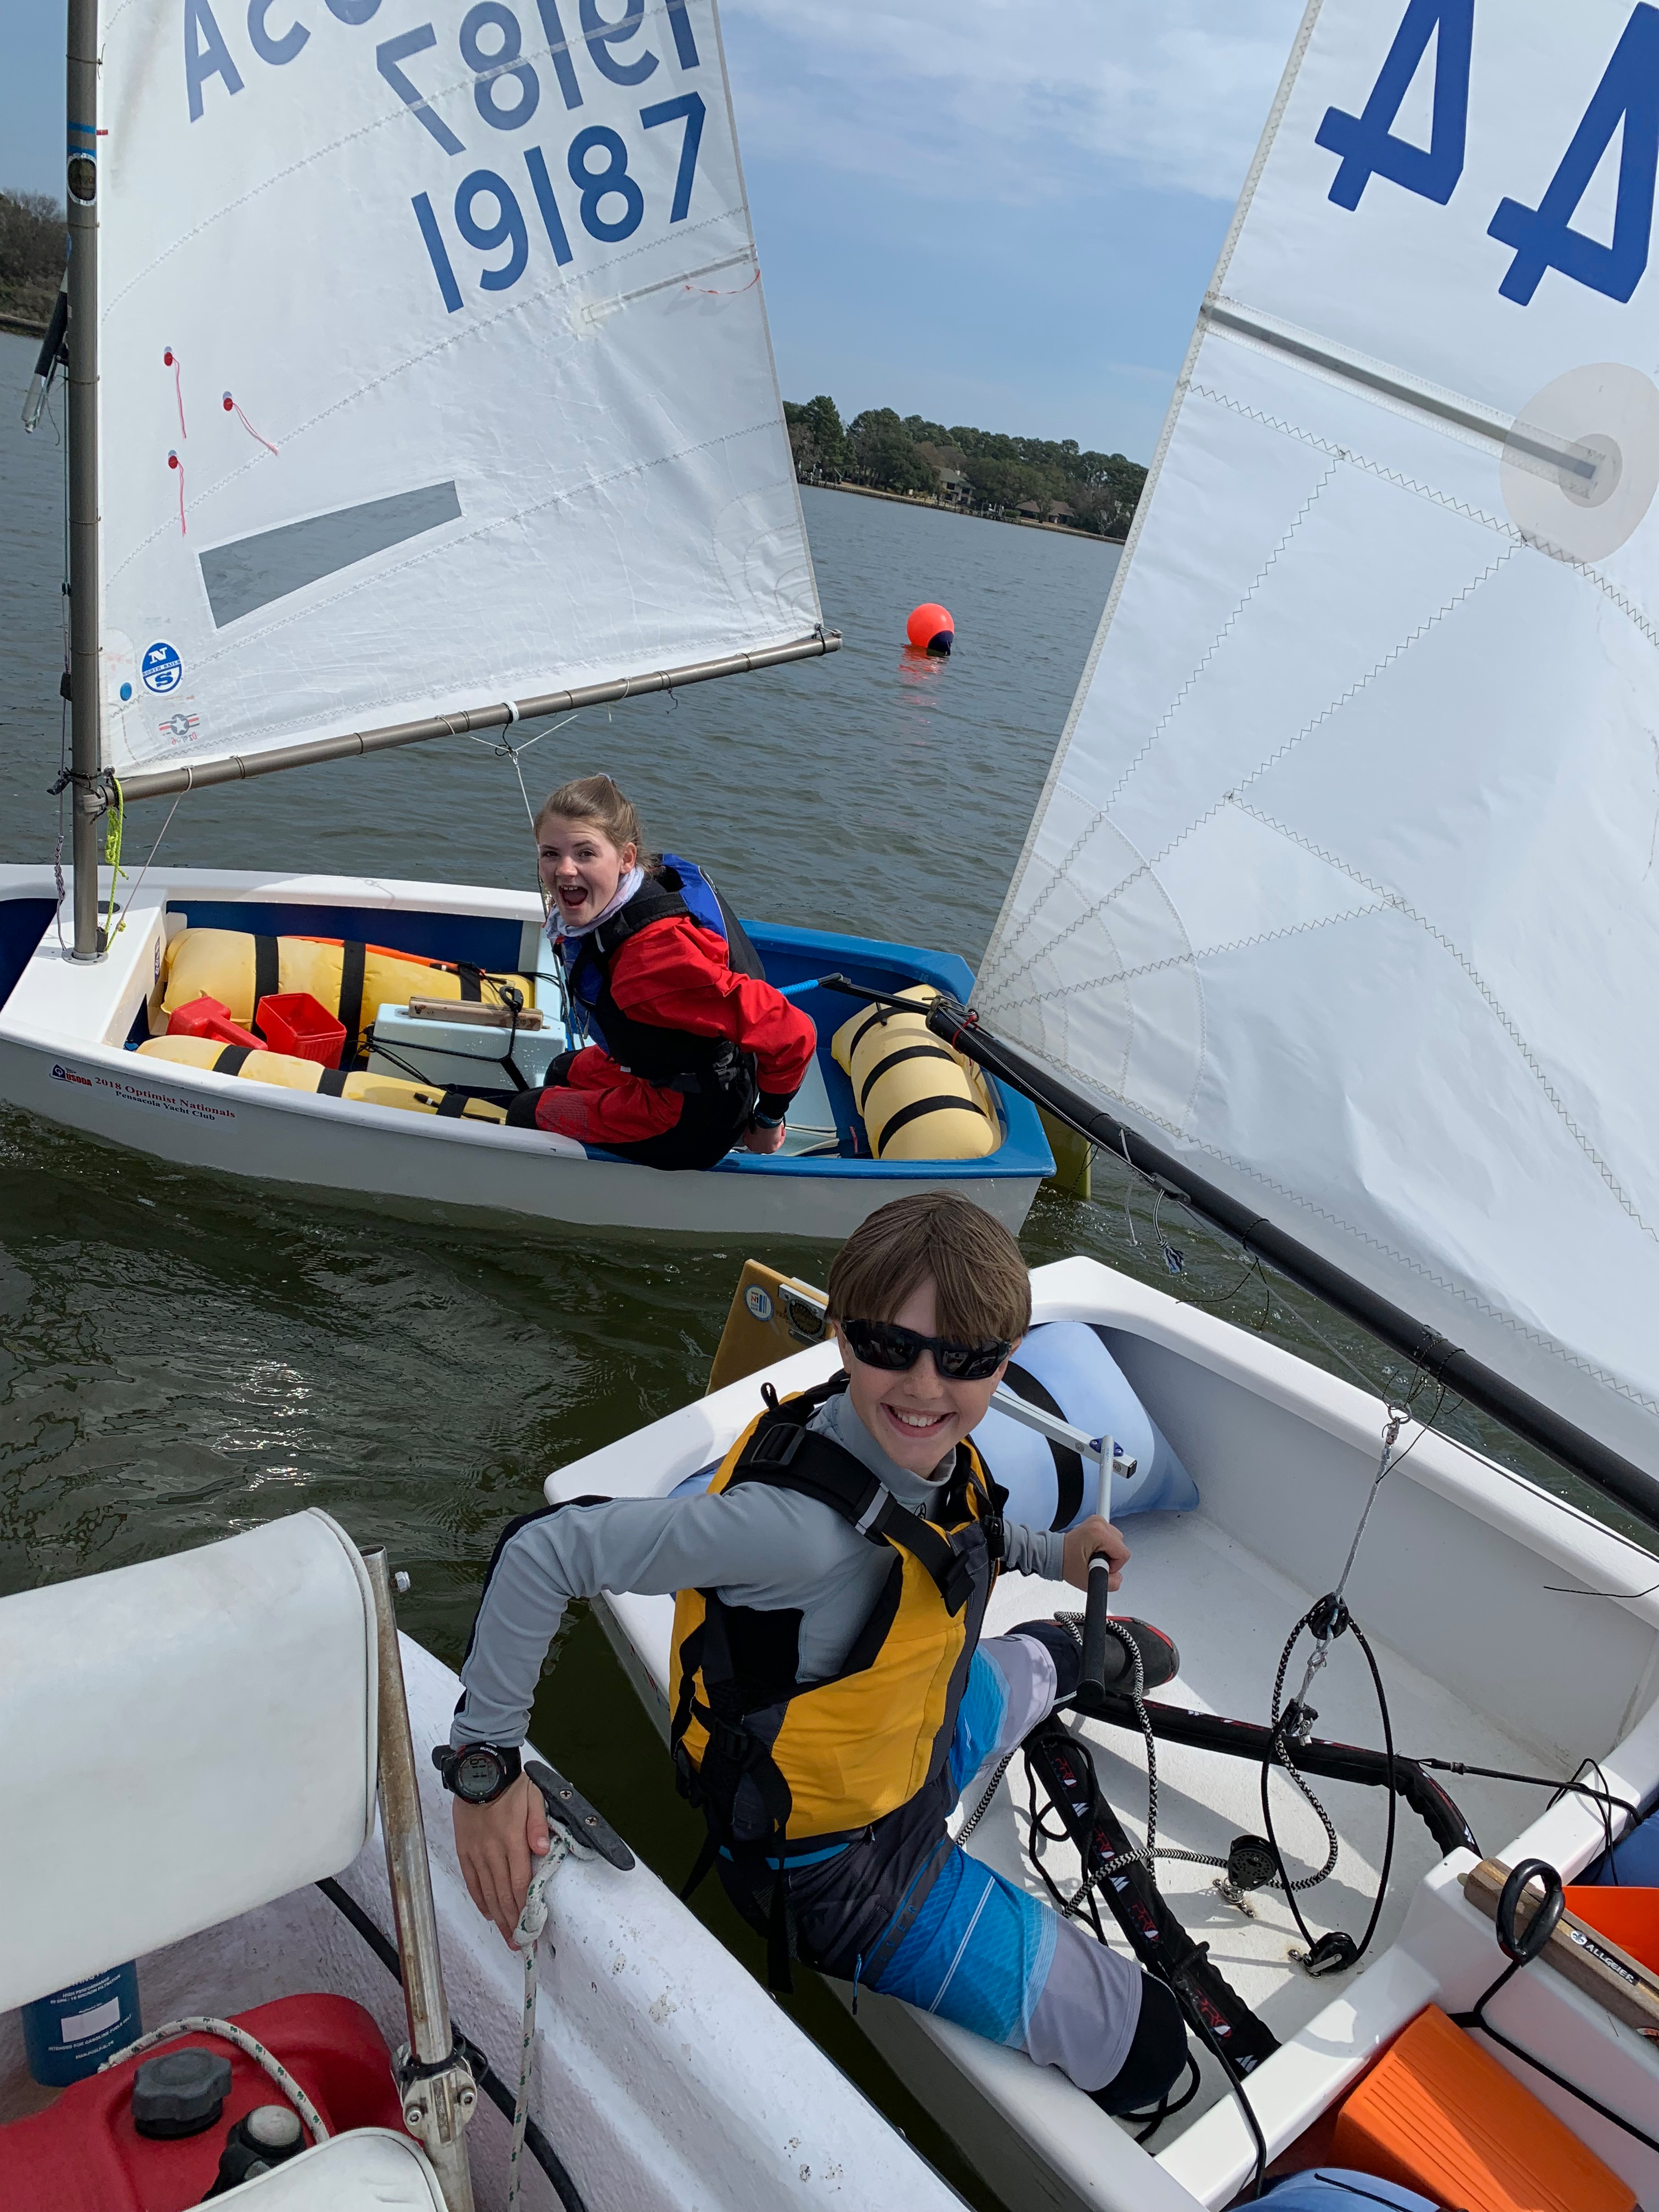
{"points": [[83, 2154]]}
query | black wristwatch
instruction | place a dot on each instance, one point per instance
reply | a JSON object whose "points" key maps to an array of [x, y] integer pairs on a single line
{"points": [[768, 1121], [477, 1772]]}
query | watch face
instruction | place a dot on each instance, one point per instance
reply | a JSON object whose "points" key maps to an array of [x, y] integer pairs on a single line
{"points": [[478, 1775]]}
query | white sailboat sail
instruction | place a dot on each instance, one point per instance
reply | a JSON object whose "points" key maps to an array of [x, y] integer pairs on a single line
{"points": [[1345, 885], [435, 370]]}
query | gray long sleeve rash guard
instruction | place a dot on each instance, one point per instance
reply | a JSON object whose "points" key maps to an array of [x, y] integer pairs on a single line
{"points": [[771, 1549]]}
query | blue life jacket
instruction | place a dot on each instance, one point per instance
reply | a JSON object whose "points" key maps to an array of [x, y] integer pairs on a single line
{"points": [[672, 1057]]}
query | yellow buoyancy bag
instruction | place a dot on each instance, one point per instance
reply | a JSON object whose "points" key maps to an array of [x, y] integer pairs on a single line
{"points": [[919, 1100], [239, 969], [291, 1074]]}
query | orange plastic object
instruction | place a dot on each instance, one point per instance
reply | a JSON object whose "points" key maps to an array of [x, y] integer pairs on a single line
{"points": [[930, 627], [1437, 2114], [208, 1017], [1628, 1917], [294, 1022]]}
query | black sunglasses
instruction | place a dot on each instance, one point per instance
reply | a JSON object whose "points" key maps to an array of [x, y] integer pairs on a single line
{"points": [[884, 1344]]}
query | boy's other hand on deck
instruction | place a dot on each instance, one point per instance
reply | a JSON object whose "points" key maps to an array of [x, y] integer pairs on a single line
{"points": [[1082, 1542], [497, 1845]]}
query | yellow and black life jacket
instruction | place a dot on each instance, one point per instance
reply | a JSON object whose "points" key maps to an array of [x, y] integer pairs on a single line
{"points": [[776, 1764]]}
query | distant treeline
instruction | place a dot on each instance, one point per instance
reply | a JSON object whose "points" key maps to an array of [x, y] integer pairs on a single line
{"points": [[984, 471], [31, 254]]}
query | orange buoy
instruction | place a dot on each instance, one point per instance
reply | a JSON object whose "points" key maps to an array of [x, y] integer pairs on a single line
{"points": [[930, 629]]}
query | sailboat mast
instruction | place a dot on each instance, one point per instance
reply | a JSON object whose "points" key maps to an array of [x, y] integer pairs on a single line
{"points": [[86, 688]]}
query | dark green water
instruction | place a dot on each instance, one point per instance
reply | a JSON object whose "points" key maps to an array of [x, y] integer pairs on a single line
{"points": [[182, 1357]]}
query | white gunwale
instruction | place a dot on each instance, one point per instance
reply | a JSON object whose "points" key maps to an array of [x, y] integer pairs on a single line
{"points": [[1282, 1453], [63, 1055]]}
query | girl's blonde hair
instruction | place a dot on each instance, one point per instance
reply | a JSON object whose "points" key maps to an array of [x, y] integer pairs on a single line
{"points": [[595, 799]]}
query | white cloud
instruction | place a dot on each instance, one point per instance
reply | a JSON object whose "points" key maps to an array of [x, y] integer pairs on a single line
{"points": [[943, 92]]}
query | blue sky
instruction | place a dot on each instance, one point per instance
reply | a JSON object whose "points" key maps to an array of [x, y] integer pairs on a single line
{"points": [[983, 211]]}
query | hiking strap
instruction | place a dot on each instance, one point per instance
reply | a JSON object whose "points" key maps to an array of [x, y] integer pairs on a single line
{"points": [[1154, 1935]]}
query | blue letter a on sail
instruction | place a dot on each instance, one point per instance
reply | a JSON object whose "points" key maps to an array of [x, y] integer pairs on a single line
{"points": [[206, 55], [1366, 141], [1543, 237]]}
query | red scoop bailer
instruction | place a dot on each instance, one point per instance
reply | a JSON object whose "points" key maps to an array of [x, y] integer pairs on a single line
{"points": [[208, 1017]]}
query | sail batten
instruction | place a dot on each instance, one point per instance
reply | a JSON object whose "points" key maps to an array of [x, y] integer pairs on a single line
{"points": [[1343, 889], [438, 370]]}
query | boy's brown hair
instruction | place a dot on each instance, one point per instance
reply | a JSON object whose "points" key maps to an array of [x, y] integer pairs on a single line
{"points": [[984, 1290]]}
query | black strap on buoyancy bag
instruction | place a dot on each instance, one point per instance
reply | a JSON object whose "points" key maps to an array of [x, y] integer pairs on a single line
{"points": [[1068, 1465], [940, 1103], [267, 971], [893, 1060], [230, 1061], [331, 1083], [354, 962], [1157, 1939], [453, 1103]]}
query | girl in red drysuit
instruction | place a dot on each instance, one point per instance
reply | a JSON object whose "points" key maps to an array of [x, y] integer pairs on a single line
{"points": [[695, 1052]]}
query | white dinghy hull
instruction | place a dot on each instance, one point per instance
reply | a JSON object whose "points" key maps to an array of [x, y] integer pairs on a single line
{"points": [[65, 1029], [664, 2076], [1460, 1586]]}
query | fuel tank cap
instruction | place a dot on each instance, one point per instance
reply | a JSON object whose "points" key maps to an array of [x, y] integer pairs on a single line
{"points": [[180, 2093]]}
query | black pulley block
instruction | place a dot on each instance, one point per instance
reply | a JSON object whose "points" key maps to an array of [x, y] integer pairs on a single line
{"points": [[1252, 1863], [1331, 1954]]}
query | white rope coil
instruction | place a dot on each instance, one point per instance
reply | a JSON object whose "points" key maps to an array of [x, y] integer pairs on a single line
{"points": [[227, 2032], [526, 1936]]}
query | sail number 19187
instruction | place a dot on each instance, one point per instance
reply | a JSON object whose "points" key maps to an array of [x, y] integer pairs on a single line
{"points": [[609, 202], [585, 183]]}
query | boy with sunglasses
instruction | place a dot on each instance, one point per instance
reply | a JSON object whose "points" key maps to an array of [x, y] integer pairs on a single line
{"points": [[832, 1695]]}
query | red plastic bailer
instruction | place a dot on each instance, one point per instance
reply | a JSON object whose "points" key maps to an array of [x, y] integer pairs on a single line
{"points": [[209, 1017], [294, 1022], [84, 2155]]}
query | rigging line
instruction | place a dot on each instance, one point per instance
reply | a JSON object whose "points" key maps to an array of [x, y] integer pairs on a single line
{"points": [[1191, 1295], [132, 899], [64, 715], [1608, 1797], [112, 837], [1564, 1589], [502, 747]]}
